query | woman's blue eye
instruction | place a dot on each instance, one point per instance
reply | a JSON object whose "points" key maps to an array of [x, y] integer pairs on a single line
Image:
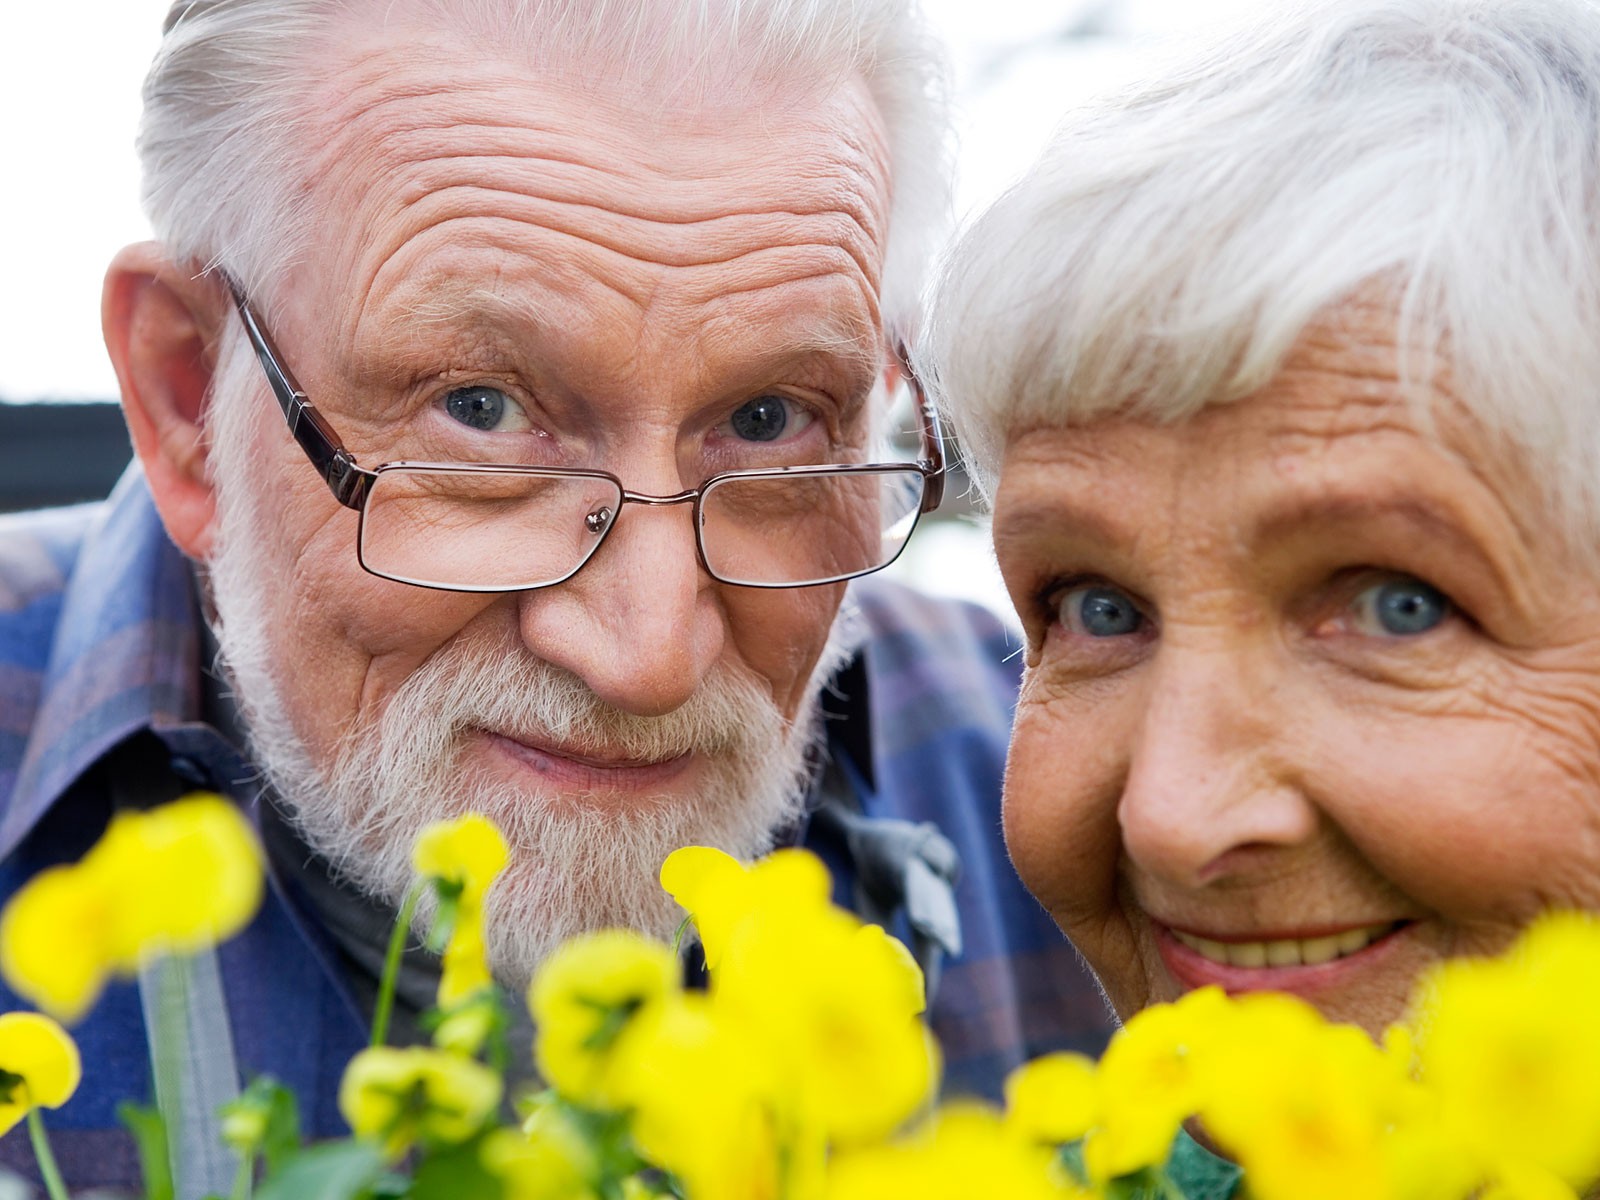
{"points": [[1100, 611], [1401, 608], [483, 408]]}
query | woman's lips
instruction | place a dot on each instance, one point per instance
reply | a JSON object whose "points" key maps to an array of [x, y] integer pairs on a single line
{"points": [[1286, 962], [588, 770]]}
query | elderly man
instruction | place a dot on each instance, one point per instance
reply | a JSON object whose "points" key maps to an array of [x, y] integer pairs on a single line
{"points": [[580, 317]]}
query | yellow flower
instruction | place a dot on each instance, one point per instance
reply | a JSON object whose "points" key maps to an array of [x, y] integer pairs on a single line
{"points": [[582, 999], [1522, 1182], [464, 1029], [1053, 1099], [550, 1159], [837, 1001], [464, 966], [1511, 1049], [719, 892], [39, 1065], [1150, 1079], [197, 868], [705, 1103], [168, 881], [467, 854], [966, 1151], [399, 1096], [1306, 1107], [56, 941], [463, 858]]}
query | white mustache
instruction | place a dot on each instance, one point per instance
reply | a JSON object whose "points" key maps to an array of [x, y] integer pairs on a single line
{"points": [[468, 686]]}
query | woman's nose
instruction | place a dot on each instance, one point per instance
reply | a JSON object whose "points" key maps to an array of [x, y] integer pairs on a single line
{"points": [[1211, 782]]}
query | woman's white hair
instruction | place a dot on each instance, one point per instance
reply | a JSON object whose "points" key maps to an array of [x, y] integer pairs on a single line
{"points": [[1177, 239], [226, 118]]}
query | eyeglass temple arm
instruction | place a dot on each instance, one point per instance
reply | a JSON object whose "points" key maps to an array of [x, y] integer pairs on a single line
{"points": [[345, 479], [933, 469]]}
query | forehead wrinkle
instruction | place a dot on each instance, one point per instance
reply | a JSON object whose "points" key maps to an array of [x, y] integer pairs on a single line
{"points": [[663, 174]]}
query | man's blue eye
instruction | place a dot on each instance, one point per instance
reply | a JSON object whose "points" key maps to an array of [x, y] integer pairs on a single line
{"points": [[1401, 608], [1100, 611], [760, 420], [477, 407]]}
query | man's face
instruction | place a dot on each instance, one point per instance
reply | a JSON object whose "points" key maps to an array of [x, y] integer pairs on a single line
{"points": [[531, 270]]}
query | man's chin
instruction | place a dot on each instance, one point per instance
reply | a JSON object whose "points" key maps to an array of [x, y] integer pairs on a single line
{"points": [[532, 912]]}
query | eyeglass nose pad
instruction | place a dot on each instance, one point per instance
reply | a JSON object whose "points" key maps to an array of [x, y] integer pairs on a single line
{"points": [[597, 521]]}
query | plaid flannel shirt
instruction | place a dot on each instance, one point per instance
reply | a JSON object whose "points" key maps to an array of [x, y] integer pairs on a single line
{"points": [[100, 640]]}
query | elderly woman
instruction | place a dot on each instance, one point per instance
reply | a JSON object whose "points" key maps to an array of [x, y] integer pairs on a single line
{"points": [[1284, 376]]}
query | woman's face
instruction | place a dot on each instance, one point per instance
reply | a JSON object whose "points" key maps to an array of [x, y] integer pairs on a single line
{"points": [[1313, 694]]}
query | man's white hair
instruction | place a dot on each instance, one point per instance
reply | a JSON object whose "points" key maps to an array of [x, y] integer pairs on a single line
{"points": [[225, 118], [1176, 240]]}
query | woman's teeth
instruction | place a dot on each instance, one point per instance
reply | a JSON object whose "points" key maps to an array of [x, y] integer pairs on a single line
{"points": [[1287, 952]]}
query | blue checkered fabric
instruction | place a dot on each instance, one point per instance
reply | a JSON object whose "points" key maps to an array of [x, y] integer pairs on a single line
{"points": [[100, 640]]}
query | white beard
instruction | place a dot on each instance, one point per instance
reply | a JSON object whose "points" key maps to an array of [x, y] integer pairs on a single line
{"points": [[578, 861]]}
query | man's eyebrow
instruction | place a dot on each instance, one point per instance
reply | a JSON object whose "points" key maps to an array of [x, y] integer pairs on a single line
{"points": [[522, 313], [517, 310]]}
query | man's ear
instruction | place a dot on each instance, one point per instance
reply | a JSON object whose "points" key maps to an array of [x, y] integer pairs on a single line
{"points": [[160, 323]]}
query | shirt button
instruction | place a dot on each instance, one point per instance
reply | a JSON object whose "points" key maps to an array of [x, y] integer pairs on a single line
{"points": [[191, 772]]}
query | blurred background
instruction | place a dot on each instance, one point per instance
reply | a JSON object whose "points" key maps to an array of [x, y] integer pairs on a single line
{"points": [[69, 89]]}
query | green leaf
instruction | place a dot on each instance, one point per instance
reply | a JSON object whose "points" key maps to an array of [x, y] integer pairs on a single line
{"points": [[8, 1084], [149, 1131], [330, 1171], [283, 1120], [445, 916], [455, 1174]]}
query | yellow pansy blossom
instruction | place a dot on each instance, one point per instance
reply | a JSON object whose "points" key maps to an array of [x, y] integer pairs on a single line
{"points": [[398, 1097], [40, 1065], [463, 858], [168, 881], [188, 875], [55, 941], [719, 892], [464, 966], [1523, 1182], [1305, 1106], [967, 1150], [837, 1001], [1150, 1079], [1512, 1051], [467, 853], [706, 1103], [1053, 1099], [548, 1159], [583, 998], [465, 1028]]}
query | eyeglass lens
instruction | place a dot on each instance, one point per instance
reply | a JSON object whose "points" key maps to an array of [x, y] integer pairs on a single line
{"points": [[509, 530]]}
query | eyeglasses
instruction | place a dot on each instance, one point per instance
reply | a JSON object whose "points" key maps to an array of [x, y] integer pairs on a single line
{"points": [[503, 528]]}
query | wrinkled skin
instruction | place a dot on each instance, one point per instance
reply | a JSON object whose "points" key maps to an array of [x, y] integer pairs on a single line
{"points": [[629, 274], [1259, 755]]}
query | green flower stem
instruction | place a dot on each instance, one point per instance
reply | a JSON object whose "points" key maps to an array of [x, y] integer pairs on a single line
{"points": [[391, 965], [53, 1183], [244, 1178]]}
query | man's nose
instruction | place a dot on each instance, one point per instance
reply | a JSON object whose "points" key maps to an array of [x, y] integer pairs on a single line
{"points": [[640, 623], [1211, 786]]}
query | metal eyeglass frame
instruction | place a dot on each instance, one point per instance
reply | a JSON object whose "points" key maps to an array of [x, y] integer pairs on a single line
{"points": [[350, 482]]}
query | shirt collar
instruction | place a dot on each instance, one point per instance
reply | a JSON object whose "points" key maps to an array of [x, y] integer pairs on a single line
{"points": [[125, 654]]}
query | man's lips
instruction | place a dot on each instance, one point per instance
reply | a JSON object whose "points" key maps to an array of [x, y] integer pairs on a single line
{"points": [[1280, 960], [587, 769]]}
